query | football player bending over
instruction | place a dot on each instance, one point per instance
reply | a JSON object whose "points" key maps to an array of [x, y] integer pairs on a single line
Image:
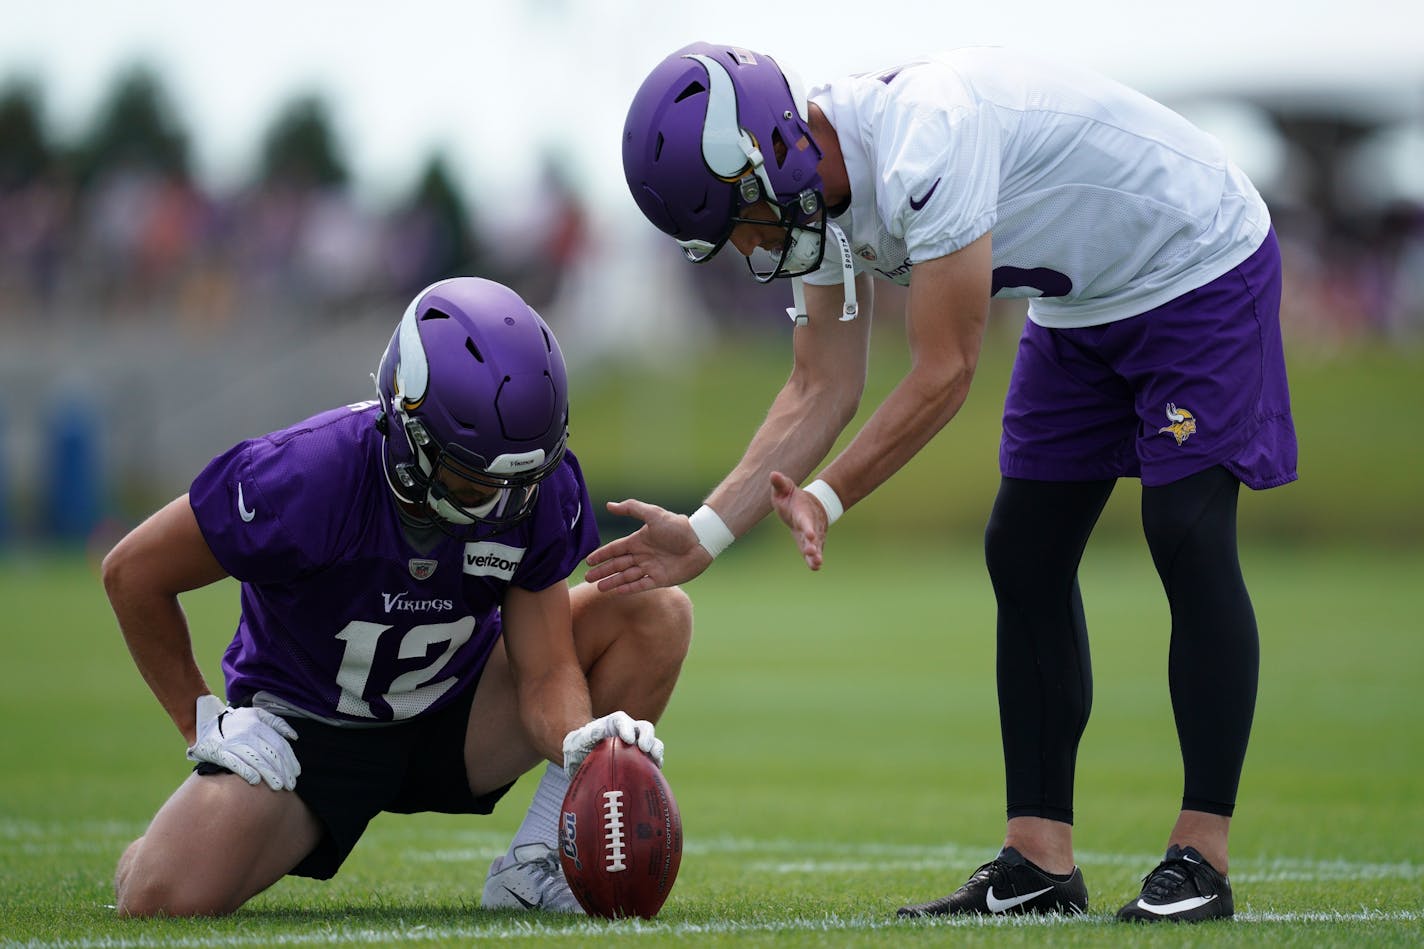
{"points": [[1152, 350]]}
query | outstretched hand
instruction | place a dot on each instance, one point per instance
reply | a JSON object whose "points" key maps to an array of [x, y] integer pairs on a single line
{"points": [[804, 515], [661, 553]]}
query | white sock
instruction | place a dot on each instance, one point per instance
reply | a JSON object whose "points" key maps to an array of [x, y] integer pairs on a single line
{"points": [[541, 824]]}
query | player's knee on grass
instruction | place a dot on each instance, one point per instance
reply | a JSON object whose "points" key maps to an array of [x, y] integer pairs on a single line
{"points": [[145, 886]]}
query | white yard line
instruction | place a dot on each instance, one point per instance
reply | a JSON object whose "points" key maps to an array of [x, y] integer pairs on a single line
{"points": [[811, 857], [766, 855], [585, 930]]}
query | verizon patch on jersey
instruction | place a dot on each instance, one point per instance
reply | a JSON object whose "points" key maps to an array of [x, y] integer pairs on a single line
{"points": [[488, 559]]}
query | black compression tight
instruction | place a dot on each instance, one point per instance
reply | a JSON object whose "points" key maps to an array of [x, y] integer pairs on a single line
{"points": [[1033, 545], [1215, 655]]}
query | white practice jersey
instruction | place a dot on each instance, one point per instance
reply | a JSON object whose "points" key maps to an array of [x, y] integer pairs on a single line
{"points": [[1103, 203]]}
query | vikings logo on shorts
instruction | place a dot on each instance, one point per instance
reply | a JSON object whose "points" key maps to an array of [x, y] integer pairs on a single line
{"points": [[1184, 423]]}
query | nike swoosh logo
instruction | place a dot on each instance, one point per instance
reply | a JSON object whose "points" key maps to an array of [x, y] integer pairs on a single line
{"points": [[997, 905], [578, 513], [1181, 906], [916, 205], [242, 509], [522, 901]]}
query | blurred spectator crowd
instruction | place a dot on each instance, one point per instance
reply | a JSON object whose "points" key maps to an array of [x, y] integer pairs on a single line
{"points": [[116, 224], [113, 230]]}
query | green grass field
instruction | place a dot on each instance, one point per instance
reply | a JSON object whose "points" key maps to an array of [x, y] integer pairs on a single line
{"points": [[834, 741], [672, 431], [834, 749]]}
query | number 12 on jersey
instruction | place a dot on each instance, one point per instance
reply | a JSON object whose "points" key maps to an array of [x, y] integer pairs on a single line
{"points": [[410, 693]]}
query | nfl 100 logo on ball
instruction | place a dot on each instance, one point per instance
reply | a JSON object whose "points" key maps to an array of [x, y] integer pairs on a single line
{"points": [[620, 836]]}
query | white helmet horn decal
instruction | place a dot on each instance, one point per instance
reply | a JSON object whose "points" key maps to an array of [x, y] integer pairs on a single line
{"points": [[726, 147], [413, 370]]}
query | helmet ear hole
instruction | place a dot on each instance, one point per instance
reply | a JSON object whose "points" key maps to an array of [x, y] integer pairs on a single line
{"points": [[778, 148]]}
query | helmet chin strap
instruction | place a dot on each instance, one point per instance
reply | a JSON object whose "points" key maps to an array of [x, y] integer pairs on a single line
{"points": [[849, 309]]}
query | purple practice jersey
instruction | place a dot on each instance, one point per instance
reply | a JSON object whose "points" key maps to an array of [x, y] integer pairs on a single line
{"points": [[342, 618]]}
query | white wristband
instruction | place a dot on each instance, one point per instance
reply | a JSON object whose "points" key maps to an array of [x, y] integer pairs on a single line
{"points": [[831, 501], [712, 532]]}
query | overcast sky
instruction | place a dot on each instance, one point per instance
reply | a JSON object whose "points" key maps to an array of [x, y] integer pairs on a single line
{"points": [[492, 81]]}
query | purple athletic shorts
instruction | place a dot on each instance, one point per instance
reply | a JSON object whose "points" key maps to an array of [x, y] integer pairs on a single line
{"points": [[1194, 383]]}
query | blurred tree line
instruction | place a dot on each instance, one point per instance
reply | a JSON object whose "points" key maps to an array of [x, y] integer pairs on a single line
{"points": [[111, 226], [114, 225], [116, 222]]}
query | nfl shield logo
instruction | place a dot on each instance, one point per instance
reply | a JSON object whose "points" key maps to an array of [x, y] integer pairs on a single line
{"points": [[422, 569]]}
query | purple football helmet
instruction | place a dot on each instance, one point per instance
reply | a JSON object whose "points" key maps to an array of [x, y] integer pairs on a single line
{"points": [[714, 130], [474, 406]]}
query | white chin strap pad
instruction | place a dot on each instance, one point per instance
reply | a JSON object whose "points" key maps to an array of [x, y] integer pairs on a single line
{"points": [[850, 309]]}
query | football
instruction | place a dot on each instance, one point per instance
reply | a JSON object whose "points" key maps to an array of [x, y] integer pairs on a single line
{"points": [[620, 833]]}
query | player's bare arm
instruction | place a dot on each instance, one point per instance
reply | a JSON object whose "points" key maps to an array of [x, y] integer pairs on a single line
{"points": [[164, 556], [549, 684], [815, 405], [947, 310]]}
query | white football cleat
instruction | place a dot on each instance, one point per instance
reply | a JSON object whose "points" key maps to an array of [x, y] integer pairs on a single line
{"points": [[534, 879]]}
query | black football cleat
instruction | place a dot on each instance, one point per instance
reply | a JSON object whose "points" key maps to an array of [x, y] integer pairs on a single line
{"points": [[1184, 888], [1009, 885]]}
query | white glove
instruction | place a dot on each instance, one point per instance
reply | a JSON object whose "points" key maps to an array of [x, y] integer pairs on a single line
{"points": [[579, 742], [249, 742]]}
